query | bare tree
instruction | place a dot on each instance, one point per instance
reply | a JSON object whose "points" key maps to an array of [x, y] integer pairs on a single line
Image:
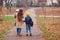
{"points": [[8, 6], [1, 4]]}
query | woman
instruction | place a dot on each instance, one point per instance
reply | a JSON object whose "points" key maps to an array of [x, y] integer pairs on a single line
{"points": [[19, 17]]}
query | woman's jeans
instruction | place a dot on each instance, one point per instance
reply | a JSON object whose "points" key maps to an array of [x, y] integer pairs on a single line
{"points": [[18, 30], [28, 28]]}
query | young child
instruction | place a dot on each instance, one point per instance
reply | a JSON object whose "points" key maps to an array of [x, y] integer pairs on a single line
{"points": [[27, 21]]}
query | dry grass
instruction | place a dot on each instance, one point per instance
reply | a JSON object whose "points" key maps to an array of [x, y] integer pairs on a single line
{"points": [[48, 11], [50, 27], [5, 25], [51, 30]]}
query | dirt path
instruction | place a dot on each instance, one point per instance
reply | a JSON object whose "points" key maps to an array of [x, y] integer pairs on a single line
{"points": [[36, 32]]}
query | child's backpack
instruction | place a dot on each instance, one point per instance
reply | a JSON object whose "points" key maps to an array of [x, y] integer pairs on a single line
{"points": [[31, 23]]}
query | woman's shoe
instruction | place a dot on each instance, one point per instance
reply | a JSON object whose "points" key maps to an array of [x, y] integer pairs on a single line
{"points": [[26, 34]]}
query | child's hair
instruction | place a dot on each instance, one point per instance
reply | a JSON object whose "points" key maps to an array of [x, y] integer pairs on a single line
{"points": [[20, 13]]}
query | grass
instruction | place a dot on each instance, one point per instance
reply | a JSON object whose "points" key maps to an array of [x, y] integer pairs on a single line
{"points": [[1, 22], [48, 34], [2, 33], [8, 18]]}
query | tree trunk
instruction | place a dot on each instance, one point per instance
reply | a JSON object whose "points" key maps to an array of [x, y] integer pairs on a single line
{"points": [[0, 10], [1, 13], [1, 5]]}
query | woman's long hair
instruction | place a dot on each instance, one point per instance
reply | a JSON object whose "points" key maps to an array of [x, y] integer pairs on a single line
{"points": [[20, 15]]}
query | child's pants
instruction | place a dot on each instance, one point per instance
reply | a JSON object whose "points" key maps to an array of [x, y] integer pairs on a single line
{"points": [[28, 28]]}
